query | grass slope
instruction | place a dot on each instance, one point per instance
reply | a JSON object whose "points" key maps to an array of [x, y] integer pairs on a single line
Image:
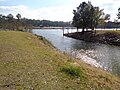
{"points": [[29, 63]]}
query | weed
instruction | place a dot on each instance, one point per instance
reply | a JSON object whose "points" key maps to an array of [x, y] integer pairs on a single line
{"points": [[71, 70]]}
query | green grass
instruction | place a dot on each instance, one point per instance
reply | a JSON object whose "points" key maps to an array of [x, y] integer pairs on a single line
{"points": [[30, 62], [117, 32], [71, 70]]}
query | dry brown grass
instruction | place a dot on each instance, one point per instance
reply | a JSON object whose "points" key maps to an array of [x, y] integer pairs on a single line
{"points": [[28, 63]]}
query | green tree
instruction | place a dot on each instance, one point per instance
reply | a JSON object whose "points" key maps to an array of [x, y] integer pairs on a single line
{"points": [[18, 16], [10, 17], [118, 15], [106, 18], [3, 21], [96, 15], [116, 21], [18, 22], [81, 16], [86, 16]]}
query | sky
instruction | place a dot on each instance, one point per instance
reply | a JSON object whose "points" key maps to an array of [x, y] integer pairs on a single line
{"points": [[54, 10]]}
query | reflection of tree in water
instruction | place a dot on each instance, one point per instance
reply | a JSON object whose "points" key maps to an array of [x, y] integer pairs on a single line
{"points": [[78, 44]]}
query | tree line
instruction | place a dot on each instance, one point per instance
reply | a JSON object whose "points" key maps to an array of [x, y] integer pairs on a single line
{"points": [[9, 22], [48, 23], [86, 16]]}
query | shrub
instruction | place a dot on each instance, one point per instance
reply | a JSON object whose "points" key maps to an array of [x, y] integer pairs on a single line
{"points": [[72, 70]]}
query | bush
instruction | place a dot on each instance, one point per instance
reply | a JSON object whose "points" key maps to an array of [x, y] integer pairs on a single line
{"points": [[71, 70], [20, 30]]}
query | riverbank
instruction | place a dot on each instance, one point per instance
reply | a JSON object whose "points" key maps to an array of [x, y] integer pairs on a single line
{"points": [[30, 62], [100, 36], [54, 28]]}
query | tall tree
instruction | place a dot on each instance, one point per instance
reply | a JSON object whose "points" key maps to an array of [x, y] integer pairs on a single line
{"points": [[96, 15], [106, 18], [18, 23], [116, 21], [18, 16], [81, 16], [118, 15], [86, 16]]}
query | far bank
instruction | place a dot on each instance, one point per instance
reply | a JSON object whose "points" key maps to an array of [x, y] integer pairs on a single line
{"points": [[99, 36]]}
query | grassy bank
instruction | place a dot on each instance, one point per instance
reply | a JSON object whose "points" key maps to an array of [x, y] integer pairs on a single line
{"points": [[30, 63]]}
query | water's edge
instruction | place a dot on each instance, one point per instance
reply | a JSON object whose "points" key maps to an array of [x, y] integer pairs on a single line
{"points": [[98, 55]]}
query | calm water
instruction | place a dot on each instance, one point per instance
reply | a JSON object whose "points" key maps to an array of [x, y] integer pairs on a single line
{"points": [[99, 55]]}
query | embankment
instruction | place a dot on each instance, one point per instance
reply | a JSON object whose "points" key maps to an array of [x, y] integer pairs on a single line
{"points": [[29, 63], [106, 37]]}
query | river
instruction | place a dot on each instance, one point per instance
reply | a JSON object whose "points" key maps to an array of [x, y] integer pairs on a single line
{"points": [[98, 55]]}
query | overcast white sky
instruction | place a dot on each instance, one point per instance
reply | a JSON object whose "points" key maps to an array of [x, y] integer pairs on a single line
{"points": [[55, 10]]}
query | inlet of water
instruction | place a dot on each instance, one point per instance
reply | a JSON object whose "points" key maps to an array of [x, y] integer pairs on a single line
{"points": [[99, 55]]}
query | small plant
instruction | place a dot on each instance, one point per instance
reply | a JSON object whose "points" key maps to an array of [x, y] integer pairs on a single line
{"points": [[72, 70], [20, 30]]}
